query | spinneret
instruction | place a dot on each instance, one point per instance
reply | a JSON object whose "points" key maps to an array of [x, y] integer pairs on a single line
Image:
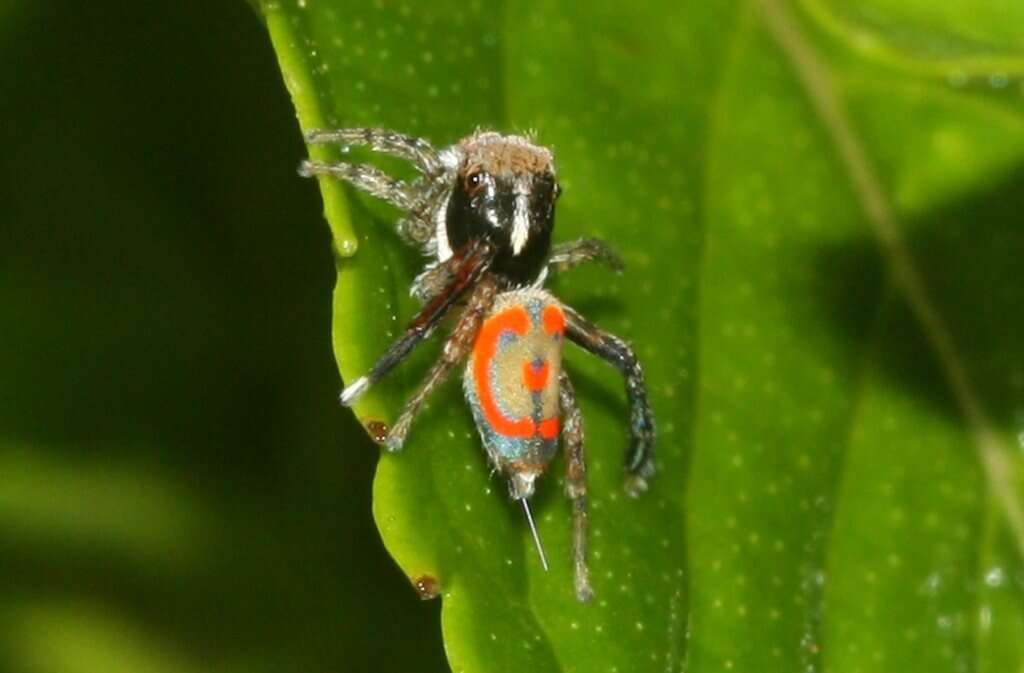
{"points": [[483, 209]]}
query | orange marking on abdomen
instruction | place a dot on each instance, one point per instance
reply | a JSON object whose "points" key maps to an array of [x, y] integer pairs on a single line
{"points": [[515, 320], [535, 377], [548, 428], [554, 319]]}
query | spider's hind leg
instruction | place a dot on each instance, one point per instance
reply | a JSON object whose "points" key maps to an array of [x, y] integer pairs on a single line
{"points": [[575, 484], [640, 455]]}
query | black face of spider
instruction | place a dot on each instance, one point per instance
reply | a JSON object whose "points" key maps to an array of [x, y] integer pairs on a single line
{"points": [[513, 210]]}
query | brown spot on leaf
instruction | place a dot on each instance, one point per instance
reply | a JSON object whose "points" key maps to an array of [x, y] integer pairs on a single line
{"points": [[427, 586], [378, 430]]}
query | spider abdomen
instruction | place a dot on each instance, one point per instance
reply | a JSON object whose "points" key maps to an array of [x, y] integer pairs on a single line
{"points": [[512, 384]]}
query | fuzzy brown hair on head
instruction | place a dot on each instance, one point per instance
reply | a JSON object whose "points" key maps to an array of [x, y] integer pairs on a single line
{"points": [[499, 154]]}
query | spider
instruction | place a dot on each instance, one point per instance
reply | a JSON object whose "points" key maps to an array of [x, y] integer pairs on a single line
{"points": [[483, 210]]}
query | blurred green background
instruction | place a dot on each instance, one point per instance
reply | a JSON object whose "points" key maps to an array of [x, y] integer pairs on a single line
{"points": [[178, 489]]}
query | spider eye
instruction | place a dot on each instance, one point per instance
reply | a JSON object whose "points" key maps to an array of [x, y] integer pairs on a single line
{"points": [[475, 182]]}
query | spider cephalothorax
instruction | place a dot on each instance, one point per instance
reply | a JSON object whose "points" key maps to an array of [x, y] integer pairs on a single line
{"points": [[505, 193], [484, 209]]}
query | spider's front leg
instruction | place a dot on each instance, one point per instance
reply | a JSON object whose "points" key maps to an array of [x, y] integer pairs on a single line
{"points": [[468, 267], [575, 484], [368, 178], [455, 349], [417, 150], [420, 198], [640, 456]]}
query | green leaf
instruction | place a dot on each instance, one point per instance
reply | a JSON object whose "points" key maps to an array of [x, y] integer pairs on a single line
{"points": [[819, 211]]}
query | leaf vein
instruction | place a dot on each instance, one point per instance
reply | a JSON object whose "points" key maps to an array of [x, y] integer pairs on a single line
{"points": [[817, 80]]}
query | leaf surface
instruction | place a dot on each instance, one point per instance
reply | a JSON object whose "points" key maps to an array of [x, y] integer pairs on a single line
{"points": [[818, 211]]}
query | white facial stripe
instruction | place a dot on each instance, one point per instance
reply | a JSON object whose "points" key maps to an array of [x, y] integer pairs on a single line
{"points": [[520, 223]]}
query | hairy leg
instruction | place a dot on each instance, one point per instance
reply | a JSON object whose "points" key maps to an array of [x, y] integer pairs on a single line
{"points": [[640, 455], [468, 267], [418, 151], [455, 349], [565, 256], [431, 281], [430, 195], [370, 179], [575, 484]]}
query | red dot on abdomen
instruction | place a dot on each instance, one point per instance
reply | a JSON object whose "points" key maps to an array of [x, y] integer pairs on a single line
{"points": [[535, 375]]}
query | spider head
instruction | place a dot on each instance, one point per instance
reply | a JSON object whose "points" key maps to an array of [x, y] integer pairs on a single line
{"points": [[505, 193]]}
